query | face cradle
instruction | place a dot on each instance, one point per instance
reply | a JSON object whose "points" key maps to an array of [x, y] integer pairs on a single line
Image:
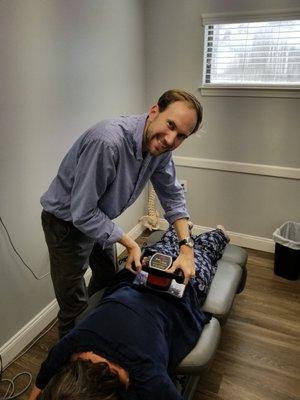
{"points": [[166, 130]]}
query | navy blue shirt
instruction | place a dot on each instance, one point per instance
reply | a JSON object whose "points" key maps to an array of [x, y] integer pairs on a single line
{"points": [[103, 174], [147, 333]]}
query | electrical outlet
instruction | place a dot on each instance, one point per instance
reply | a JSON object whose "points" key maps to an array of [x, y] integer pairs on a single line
{"points": [[183, 184]]}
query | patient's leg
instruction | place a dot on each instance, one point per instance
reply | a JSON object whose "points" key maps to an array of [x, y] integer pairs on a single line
{"points": [[209, 247], [224, 231]]}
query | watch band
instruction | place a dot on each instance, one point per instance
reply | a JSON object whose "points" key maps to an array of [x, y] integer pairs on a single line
{"points": [[186, 241]]}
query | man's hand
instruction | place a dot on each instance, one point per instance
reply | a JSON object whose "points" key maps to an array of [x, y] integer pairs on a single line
{"points": [[185, 261], [134, 254]]}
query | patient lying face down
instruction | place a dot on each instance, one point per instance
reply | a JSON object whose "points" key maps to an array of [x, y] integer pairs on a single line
{"points": [[129, 346]]}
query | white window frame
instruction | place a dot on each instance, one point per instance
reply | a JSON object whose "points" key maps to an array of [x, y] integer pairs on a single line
{"points": [[290, 91]]}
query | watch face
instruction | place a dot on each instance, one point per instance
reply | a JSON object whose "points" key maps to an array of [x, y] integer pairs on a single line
{"points": [[188, 242]]}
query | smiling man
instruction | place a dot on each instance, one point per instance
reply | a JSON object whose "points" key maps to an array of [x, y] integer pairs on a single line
{"points": [[99, 178], [166, 129]]}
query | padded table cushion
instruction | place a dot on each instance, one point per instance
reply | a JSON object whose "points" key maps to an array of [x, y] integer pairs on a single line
{"points": [[203, 353], [239, 256], [223, 289], [235, 254]]}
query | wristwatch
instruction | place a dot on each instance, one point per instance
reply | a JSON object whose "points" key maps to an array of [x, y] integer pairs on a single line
{"points": [[187, 241]]}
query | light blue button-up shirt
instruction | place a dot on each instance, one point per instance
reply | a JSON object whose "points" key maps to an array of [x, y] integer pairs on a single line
{"points": [[103, 174]]}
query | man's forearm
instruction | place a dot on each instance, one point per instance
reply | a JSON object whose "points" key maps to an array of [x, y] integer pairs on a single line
{"points": [[127, 241], [182, 228], [185, 259], [134, 252]]}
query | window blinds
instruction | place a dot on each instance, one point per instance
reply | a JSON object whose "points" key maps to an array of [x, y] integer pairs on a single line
{"points": [[252, 53]]}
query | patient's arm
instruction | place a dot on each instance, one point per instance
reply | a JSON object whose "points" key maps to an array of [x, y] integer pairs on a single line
{"points": [[34, 393]]}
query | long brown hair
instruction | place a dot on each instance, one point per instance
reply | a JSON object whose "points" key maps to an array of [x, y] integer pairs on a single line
{"points": [[83, 380]]}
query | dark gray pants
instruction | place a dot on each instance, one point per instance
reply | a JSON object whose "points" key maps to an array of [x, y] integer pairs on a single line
{"points": [[71, 251]]}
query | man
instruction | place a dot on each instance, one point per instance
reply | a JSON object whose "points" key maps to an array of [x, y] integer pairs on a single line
{"points": [[103, 174]]}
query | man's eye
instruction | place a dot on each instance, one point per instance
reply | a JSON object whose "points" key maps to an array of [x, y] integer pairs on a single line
{"points": [[170, 125]]}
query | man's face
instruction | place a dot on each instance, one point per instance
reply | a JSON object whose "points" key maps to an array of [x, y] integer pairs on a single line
{"points": [[166, 130]]}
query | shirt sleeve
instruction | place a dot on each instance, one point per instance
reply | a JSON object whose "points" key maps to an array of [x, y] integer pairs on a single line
{"points": [[169, 190], [95, 171]]}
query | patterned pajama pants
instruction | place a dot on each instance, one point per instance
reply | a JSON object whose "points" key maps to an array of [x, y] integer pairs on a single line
{"points": [[209, 247]]}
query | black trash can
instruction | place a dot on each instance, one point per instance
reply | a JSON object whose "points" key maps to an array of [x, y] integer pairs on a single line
{"points": [[287, 250]]}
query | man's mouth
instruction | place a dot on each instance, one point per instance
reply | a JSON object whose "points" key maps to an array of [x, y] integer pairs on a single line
{"points": [[162, 145]]}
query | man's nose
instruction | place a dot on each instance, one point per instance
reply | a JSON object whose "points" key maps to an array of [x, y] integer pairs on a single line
{"points": [[170, 138]]}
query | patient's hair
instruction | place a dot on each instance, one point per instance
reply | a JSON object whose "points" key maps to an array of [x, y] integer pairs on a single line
{"points": [[83, 380], [171, 96]]}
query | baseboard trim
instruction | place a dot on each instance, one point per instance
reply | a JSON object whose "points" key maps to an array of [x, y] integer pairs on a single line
{"points": [[36, 325], [239, 239], [29, 332]]}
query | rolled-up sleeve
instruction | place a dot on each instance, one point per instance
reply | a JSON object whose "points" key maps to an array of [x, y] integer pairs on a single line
{"points": [[169, 190], [95, 171]]}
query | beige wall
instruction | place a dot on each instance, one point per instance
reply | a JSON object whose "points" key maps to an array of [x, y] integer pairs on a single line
{"points": [[264, 131]]}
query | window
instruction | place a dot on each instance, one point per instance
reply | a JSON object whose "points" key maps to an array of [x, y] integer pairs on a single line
{"points": [[253, 55]]}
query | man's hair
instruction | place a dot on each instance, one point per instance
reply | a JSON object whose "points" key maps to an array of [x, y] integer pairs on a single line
{"points": [[83, 380], [171, 96]]}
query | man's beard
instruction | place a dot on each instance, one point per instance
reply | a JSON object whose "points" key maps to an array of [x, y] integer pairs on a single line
{"points": [[151, 137]]}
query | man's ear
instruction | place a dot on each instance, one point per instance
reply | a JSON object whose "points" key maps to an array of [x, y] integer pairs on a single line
{"points": [[153, 112]]}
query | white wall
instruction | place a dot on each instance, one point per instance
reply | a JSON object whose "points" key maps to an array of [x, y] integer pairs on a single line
{"points": [[264, 131], [64, 66]]}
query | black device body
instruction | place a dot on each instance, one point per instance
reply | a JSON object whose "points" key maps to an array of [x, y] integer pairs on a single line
{"points": [[178, 275]]}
